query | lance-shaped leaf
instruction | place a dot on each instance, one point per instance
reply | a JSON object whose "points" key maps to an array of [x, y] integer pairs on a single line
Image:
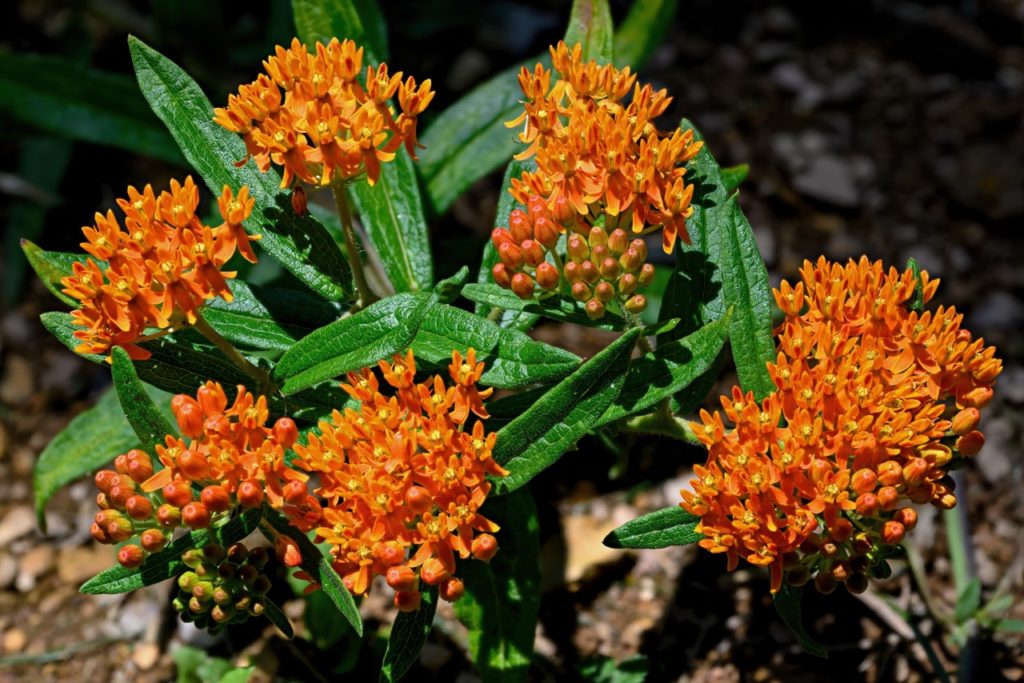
{"points": [[317, 566], [277, 617], [659, 529], [555, 307], [51, 266], [299, 243], [408, 636], [149, 423], [91, 440], [642, 31], [502, 596], [512, 358], [55, 94], [787, 602], [590, 25], [670, 368], [379, 331], [167, 563], [733, 176], [358, 20], [537, 438]]}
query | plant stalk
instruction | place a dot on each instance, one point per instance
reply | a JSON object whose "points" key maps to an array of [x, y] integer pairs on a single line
{"points": [[264, 384], [366, 295]]}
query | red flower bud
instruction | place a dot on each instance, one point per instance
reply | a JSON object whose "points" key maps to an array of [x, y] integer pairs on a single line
{"points": [[522, 285], [547, 276], [139, 507], [618, 242], [294, 492], [250, 494], [970, 443], [484, 547], [119, 495], [287, 551], [915, 471], [580, 291], [577, 248], [215, 498], [299, 202], [594, 309], [452, 589], [573, 272], [195, 515], [140, 465], [99, 535], [646, 274], [121, 464], [519, 226], [824, 583], [598, 254], [533, 252], [887, 497], [840, 571], [630, 260], [563, 210], [401, 578], [628, 284], [840, 530], [116, 526], [511, 255], [610, 268], [893, 532], [193, 465], [211, 399], [922, 493], [286, 432], [500, 236], [864, 480], [130, 556], [977, 398], [589, 272], [636, 304], [890, 473], [604, 291], [407, 601], [546, 232], [433, 571], [190, 417], [168, 515], [501, 275], [177, 493], [867, 505], [965, 421], [390, 553], [907, 517], [105, 479], [153, 540]]}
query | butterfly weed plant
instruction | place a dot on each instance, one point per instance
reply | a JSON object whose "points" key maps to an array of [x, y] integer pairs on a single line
{"points": [[345, 431]]}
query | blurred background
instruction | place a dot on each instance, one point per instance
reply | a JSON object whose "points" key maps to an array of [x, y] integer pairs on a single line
{"points": [[887, 128]]}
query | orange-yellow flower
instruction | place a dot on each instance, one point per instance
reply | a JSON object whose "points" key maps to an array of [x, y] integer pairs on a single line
{"points": [[158, 269], [860, 420], [403, 477], [310, 115]]}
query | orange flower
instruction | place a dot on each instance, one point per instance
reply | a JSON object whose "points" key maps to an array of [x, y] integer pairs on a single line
{"points": [[860, 420], [158, 269], [310, 115], [403, 477]]}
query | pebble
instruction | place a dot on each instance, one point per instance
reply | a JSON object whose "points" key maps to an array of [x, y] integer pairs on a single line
{"points": [[146, 656], [17, 383], [998, 310], [23, 461], [34, 564], [77, 565], [8, 571], [829, 179], [16, 523], [14, 641]]}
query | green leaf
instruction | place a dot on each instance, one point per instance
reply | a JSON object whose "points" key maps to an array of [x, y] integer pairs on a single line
{"points": [[318, 567], [242, 675], [659, 529], [502, 597], [590, 25], [670, 368], [149, 423], [392, 215], [91, 440], [408, 636], [51, 266], [195, 666], [968, 601], [513, 360], [358, 20], [604, 670], [917, 302], [167, 563], [1010, 625], [276, 617], [56, 95], [299, 243], [556, 308], [551, 426], [642, 31], [379, 331], [787, 603], [733, 176]]}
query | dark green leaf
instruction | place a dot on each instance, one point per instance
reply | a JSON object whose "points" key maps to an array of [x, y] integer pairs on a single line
{"points": [[502, 597], [408, 636], [787, 603], [318, 567], [51, 266], [556, 308], [733, 176], [604, 670], [512, 358], [299, 243], [73, 100], [968, 601], [659, 529], [149, 423], [552, 425], [167, 563], [378, 331], [917, 302], [358, 20], [590, 25], [90, 441], [666, 371], [195, 666], [276, 617], [1010, 625], [642, 31]]}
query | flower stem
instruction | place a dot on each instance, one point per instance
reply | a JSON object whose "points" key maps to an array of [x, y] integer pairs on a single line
{"points": [[366, 295], [659, 423], [264, 384]]}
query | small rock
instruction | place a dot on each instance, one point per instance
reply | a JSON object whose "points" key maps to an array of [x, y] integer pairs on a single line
{"points": [[17, 383], [14, 641], [1011, 384], [77, 565], [17, 329], [999, 310], [23, 461], [146, 656], [8, 571], [34, 564], [16, 523], [829, 179]]}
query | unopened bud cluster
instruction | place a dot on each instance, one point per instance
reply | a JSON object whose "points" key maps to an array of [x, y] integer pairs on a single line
{"points": [[600, 267], [222, 585]]}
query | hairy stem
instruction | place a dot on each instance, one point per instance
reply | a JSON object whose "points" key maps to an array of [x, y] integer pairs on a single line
{"points": [[366, 295], [264, 384]]}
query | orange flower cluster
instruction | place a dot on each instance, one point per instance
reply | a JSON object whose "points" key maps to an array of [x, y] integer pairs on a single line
{"points": [[310, 114], [404, 477], [156, 270], [601, 156], [232, 459], [874, 402]]}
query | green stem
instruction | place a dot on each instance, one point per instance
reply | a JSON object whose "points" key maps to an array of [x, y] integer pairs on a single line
{"points": [[264, 384], [661, 424], [634, 321], [366, 295]]}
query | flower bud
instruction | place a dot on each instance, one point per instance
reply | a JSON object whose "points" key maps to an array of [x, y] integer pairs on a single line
{"points": [[610, 268], [840, 571], [202, 591], [862, 543], [99, 535], [105, 480], [563, 210], [598, 254], [798, 576], [829, 549], [390, 553], [116, 526], [907, 517], [824, 583], [195, 515], [418, 499], [965, 421], [499, 237], [215, 498], [867, 505], [177, 492], [546, 232], [945, 502], [130, 556], [168, 515], [577, 248], [646, 274], [857, 583], [841, 530], [519, 226], [299, 202], [138, 507], [890, 473], [977, 398], [594, 309], [864, 480], [604, 291], [589, 272], [211, 399], [597, 237], [893, 532], [811, 545], [119, 494], [140, 465], [511, 255], [970, 443], [294, 492], [915, 471], [573, 272], [286, 432], [937, 454], [580, 291], [640, 247], [522, 285], [630, 261], [153, 540], [636, 304], [121, 464], [193, 465], [887, 497], [102, 501], [187, 581], [248, 574], [501, 275], [484, 547], [401, 578], [261, 585], [618, 242], [258, 557], [533, 252], [547, 276], [190, 417], [407, 601], [287, 551], [214, 553], [628, 284], [452, 589], [433, 571], [250, 494]]}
